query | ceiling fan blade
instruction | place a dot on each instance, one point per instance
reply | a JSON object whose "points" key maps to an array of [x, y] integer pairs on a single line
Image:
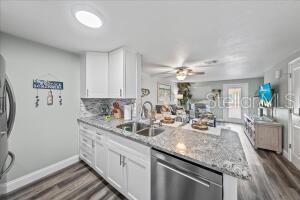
{"points": [[154, 65], [169, 76], [203, 63], [167, 72], [196, 73]]}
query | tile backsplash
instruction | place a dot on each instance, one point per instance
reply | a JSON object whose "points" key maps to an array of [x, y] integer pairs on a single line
{"points": [[92, 106]]}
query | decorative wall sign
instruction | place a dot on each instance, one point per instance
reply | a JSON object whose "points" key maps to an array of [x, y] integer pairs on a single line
{"points": [[40, 83], [44, 84]]}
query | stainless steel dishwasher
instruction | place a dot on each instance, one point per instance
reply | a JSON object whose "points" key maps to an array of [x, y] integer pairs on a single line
{"points": [[175, 179]]}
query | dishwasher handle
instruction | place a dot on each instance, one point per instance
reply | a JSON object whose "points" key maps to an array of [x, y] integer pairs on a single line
{"points": [[202, 182], [185, 166]]}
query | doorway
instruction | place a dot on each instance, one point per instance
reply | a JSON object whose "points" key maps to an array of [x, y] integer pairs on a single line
{"points": [[294, 127], [233, 110]]}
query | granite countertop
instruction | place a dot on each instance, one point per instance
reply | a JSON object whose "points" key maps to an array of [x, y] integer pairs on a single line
{"points": [[222, 153]]}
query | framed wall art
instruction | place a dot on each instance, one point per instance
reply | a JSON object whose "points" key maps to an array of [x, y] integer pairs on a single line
{"points": [[163, 93]]}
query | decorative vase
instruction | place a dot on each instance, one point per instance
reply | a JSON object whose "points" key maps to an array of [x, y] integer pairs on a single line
{"points": [[118, 114]]}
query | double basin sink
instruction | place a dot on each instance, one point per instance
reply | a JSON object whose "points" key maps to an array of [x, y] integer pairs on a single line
{"points": [[141, 129]]}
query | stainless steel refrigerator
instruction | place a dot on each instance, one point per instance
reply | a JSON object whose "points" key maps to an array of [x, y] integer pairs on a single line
{"points": [[7, 117]]}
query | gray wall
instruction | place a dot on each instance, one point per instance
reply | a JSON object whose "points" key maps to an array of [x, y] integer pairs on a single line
{"points": [[281, 87], [151, 83], [201, 89], [48, 134]]}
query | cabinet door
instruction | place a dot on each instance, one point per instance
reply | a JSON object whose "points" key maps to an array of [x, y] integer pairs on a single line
{"points": [[137, 177], [268, 137], [116, 74], [100, 155], [130, 74], [114, 168], [96, 74]]}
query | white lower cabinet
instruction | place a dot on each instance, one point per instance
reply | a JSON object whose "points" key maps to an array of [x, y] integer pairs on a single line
{"points": [[137, 176], [115, 172], [125, 164], [100, 155]]}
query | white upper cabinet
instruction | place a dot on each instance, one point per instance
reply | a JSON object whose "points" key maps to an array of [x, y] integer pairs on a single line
{"points": [[94, 75], [116, 74], [124, 74]]}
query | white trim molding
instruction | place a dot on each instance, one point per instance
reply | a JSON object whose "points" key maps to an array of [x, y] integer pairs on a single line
{"points": [[286, 154], [230, 185], [36, 175]]}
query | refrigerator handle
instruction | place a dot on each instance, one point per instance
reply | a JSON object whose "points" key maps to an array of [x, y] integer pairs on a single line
{"points": [[12, 156], [12, 107]]}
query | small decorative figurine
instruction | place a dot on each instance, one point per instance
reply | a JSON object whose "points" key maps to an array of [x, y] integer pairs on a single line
{"points": [[37, 99], [50, 98], [60, 98], [117, 110]]}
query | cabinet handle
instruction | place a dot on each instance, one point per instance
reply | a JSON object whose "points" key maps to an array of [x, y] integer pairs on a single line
{"points": [[120, 92], [120, 160]]}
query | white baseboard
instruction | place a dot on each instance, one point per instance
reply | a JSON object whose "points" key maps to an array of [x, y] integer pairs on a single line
{"points": [[286, 154], [34, 176]]}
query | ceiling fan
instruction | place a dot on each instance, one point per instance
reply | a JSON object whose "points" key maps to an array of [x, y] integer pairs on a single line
{"points": [[183, 72]]}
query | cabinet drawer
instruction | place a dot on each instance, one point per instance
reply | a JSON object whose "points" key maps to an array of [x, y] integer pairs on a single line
{"points": [[86, 155], [87, 128], [129, 146], [100, 135], [86, 139]]}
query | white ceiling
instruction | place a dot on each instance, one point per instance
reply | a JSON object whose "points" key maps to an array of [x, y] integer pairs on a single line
{"points": [[246, 37]]}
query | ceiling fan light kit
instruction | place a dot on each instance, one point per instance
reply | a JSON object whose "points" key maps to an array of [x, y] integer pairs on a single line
{"points": [[181, 75]]}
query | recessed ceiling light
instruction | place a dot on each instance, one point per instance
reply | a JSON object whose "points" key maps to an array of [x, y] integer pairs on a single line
{"points": [[88, 19]]}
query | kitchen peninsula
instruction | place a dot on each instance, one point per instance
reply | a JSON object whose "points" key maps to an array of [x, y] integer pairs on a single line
{"points": [[222, 155]]}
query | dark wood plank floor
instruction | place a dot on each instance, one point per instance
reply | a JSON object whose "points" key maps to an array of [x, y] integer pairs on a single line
{"points": [[273, 177], [77, 182]]}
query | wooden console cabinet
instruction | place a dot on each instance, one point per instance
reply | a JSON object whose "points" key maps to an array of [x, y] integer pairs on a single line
{"points": [[264, 134]]}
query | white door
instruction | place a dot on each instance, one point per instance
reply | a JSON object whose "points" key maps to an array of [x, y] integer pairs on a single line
{"points": [[137, 177], [234, 108], [295, 150], [100, 155], [116, 74], [96, 75], [115, 172], [294, 89]]}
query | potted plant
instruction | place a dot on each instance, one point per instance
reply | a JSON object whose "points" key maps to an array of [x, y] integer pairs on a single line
{"points": [[184, 89]]}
